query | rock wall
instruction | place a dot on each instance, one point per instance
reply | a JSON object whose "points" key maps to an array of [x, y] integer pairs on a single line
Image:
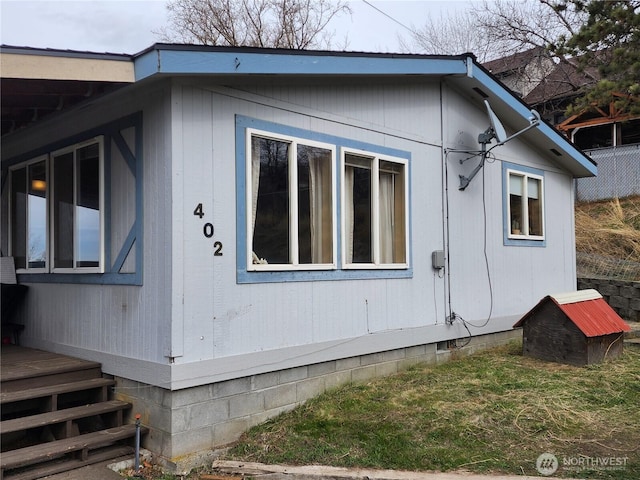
{"points": [[623, 297]]}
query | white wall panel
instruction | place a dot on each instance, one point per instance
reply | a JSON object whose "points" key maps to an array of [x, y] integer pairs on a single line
{"points": [[519, 276], [249, 318], [192, 311]]}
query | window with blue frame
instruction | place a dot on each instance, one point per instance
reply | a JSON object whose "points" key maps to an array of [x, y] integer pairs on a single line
{"points": [[524, 205], [319, 207]]}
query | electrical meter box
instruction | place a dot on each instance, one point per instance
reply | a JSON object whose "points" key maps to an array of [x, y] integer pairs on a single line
{"points": [[437, 259]]}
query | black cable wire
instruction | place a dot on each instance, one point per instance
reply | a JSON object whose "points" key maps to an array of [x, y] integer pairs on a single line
{"points": [[486, 256], [489, 158]]}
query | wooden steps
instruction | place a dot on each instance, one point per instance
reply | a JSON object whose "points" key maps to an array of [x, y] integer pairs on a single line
{"points": [[64, 416], [53, 392], [57, 415], [51, 468]]}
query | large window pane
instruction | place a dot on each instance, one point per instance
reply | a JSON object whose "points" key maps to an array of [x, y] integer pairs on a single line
{"points": [[315, 205], [534, 204], [63, 208], [359, 194], [37, 232], [515, 204], [271, 225], [88, 207], [392, 213]]}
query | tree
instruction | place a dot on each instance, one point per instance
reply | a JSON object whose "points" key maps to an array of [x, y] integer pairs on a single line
{"points": [[294, 24], [498, 28], [595, 43], [449, 35], [609, 40]]}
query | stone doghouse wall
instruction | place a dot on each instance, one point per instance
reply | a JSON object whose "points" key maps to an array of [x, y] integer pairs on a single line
{"points": [[186, 426], [623, 297]]}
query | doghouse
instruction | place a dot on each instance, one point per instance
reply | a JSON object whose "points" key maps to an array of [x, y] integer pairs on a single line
{"points": [[578, 328]]}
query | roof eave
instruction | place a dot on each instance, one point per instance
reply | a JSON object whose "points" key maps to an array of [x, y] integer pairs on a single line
{"points": [[168, 60]]}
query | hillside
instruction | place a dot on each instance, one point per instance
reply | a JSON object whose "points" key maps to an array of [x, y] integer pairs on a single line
{"points": [[608, 237]]}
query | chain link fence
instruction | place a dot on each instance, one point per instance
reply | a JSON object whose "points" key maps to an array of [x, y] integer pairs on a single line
{"points": [[590, 265], [618, 174]]}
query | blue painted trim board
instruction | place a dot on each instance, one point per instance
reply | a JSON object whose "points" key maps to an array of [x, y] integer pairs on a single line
{"points": [[162, 60]]}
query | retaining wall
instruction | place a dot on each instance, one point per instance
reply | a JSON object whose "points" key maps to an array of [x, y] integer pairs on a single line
{"points": [[623, 297]]}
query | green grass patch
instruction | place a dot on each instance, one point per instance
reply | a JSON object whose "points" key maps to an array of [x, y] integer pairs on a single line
{"points": [[492, 412]]}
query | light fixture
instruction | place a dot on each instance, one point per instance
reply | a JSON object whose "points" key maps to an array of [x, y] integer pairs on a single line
{"points": [[38, 185]]}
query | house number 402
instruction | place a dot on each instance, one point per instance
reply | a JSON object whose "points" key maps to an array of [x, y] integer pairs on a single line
{"points": [[207, 230]]}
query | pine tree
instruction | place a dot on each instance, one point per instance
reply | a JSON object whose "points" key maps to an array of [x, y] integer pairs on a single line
{"points": [[610, 42]]}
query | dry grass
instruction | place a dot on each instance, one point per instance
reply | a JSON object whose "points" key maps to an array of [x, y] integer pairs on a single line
{"points": [[493, 412], [609, 228]]}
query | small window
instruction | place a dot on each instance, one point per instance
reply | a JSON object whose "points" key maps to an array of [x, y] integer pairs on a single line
{"points": [[525, 206], [374, 211], [290, 191]]}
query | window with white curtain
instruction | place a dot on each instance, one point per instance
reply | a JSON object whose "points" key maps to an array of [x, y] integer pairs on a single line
{"points": [[291, 194], [57, 211], [374, 211], [525, 205]]}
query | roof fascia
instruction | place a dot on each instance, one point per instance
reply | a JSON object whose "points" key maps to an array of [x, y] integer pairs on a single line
{"points": [[487, 80], [171, 61], [49, 67]]}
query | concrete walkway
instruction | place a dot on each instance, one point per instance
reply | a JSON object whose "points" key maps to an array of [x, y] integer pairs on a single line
{"points": [[101, 471], [317, 472]]}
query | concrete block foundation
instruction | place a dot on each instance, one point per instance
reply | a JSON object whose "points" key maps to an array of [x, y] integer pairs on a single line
{"points": [[186, 425]]}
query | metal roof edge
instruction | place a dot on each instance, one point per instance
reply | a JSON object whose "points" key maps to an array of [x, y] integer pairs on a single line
{"points": [[486, 78], [172, 59], [53, 52]]}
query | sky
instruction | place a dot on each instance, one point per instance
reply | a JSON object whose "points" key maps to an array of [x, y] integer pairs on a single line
{"points": [[128, 26]]}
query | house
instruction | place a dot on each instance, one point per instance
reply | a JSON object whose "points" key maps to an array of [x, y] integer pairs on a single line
{"points": [[577, 328], [610, 134], [522, 72], [231, 231], [551, 86]]}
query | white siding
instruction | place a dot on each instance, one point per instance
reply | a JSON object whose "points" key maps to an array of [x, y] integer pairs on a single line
{"points": [[190, 311], [222, 318], [519, 276]]}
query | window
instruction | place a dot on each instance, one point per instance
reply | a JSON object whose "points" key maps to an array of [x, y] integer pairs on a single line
{"points": [[374, 211], [29, 214], [294, 191], [525, 207], [57, 211], [290, 190]]}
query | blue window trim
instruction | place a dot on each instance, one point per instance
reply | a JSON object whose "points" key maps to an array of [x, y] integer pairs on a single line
{"points": [[243, 276], [505, 207], [134, 239]]}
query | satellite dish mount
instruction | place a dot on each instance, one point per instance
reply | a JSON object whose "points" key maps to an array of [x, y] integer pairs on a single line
{"points": [[497, 131]]}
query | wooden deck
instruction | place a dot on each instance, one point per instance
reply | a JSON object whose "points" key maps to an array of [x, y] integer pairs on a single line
{"points": [[22, 367], [56, 414]]}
